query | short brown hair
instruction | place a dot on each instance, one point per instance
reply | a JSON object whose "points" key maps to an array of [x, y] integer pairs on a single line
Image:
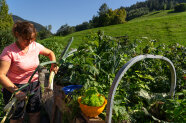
{"points": [[24, 29]]}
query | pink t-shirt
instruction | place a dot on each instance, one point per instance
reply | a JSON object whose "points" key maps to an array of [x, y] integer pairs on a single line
{"points": [[22, 64]]}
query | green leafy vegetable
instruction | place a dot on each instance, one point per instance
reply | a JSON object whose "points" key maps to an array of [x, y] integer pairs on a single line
{"points": [[92, 98]]}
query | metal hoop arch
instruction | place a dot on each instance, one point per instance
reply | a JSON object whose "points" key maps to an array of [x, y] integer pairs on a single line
{"points": [[124, 69]]}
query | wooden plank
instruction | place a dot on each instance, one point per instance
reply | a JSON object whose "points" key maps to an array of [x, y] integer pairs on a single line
{"points": [[53, 113], [79, 120], [92, 120], [61, 104]]}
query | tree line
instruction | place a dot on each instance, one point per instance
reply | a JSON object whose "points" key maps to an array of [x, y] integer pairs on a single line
{"points": [[107, 16], [142, 8]]}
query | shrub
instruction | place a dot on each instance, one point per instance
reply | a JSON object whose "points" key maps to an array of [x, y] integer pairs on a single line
{"points": [[6, 38], [65, 30], [43, 34], [180, 7], [51, 43]]}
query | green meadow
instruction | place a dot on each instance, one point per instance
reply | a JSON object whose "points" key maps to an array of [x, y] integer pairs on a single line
{"points": [[163, 26]]}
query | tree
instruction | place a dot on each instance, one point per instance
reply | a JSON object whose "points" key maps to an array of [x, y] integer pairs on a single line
{"points": [[49, 28], [45, 33], [6, 21], [95, 21], [65, 30], [83, 26], [180, 7], [103, 9], [170, 5], [105, 18], [119, 16]]}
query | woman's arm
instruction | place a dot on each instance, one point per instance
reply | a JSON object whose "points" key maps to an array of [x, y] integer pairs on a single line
{"points": [[4, 81], [50, 54]]}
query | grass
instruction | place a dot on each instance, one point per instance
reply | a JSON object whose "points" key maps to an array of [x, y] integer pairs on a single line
{"points": [[163, 26]]}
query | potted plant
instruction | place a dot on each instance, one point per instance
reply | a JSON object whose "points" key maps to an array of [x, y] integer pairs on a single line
{"points": [[92, 103]]}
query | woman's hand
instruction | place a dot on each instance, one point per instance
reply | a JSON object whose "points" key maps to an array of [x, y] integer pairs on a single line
{"points": [[50, 54], [54, 68], [20, 95]]}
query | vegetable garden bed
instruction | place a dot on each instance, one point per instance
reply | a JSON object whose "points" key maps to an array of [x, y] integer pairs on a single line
{"points": [[97, 61], [56, 106]]}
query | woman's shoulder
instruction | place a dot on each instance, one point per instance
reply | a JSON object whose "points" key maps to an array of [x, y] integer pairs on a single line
{"points": [[12, 47], [36, 45], [8, 51]]}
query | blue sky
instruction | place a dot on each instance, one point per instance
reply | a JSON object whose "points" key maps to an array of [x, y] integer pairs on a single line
{"points": [[60, 12]]}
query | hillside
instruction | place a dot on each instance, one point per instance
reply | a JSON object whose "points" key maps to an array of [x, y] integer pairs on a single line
{"points": [[163, 26], [38, 26]]}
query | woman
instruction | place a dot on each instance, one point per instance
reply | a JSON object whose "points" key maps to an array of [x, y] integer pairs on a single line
{"points": [[17, 63]]}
